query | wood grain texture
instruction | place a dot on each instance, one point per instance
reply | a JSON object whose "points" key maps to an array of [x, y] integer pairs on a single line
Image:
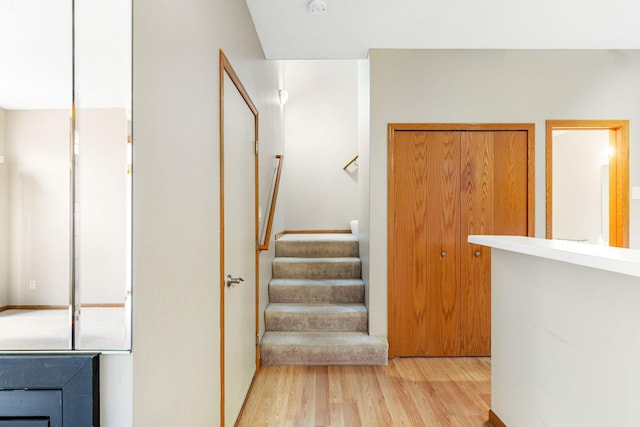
{"points": [[477, 179], [495, 420], [477, 217], [511, 183], [619, 176], [409, 245], [430, 392], [549, 181], [443, 243]]}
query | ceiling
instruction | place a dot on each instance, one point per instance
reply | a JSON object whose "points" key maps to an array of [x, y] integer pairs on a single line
{"points": [[349, 28], [35, 37]]}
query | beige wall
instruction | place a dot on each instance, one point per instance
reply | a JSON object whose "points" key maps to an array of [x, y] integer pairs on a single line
{"points": [[176, 335], [363, 173], [4, 212], [39, 197], [491, 86], [321, 137], [102, 194]]}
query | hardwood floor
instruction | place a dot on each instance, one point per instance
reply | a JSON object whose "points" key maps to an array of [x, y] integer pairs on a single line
{"points": [[430, 392]]}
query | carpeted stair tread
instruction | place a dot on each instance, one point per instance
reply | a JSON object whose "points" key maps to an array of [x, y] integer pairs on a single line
{"points": [[316, 314], [322, 348], [315, 317], [316, 291], [318, 245], [316, 268]]}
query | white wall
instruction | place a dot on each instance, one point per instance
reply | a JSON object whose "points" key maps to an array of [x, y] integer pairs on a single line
{"points": [[4, 212], [364, 231], [37, 164], [492, 86], [579, 180], [102, 195], [39, 198], [321, 137], [116, 403], [272, 143], [176, 283], [565, 343]]}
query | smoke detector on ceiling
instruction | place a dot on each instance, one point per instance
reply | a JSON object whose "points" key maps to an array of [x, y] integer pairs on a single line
{"points": [[317, 7]]}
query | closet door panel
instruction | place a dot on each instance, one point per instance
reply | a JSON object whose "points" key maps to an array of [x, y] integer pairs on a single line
{"points": [[511, 183], [443, 243], [477, 213], [408, 249], [443, 186]]}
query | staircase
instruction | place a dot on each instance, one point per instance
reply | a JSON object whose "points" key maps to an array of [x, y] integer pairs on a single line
{"points": [[316, 313]]}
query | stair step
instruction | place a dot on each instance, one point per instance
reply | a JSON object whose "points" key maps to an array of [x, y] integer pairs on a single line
{"points": [[322, 245], [316, 291], [316, 268], [322, 348], [315, 317]]}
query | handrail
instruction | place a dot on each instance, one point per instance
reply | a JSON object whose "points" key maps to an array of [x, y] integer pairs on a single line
{"points": [[263, 244], [352, 161]]}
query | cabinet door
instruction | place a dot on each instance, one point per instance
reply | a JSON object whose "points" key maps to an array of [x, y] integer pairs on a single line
{"points": [[477, 217]]}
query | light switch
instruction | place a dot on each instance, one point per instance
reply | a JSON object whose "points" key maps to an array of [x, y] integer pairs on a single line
{"points": [[1, 159], [635, 193]]}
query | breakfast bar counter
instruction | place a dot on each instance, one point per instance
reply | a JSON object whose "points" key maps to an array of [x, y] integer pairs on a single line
{"points": [[565, 333]]}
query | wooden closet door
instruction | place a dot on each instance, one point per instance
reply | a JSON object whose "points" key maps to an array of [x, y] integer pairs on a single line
{"points": [[426, 243], [443, 243], [408, 229], [511, 199], [443, 186], [477, 217]]}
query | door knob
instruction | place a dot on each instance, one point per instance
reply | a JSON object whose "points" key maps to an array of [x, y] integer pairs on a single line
{"points": [[232, 281], [443, 254], [477, 253]]}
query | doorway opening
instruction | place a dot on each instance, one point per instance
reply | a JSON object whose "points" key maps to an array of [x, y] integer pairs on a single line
{"points": [[587, 187]]}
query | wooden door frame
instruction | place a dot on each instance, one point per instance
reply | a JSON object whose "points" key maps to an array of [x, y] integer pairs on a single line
{"points": [[395, 127], [227, 69], [618, 174]]}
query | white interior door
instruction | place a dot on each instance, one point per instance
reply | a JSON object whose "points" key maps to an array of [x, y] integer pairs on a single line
{"points": [[239, 250]]}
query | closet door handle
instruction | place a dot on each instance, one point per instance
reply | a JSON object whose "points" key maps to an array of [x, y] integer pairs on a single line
{"points": [[443, 254], [477, 254]]}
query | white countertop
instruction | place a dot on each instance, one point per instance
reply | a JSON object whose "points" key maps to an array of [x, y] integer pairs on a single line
{"points": [[617, 260]]}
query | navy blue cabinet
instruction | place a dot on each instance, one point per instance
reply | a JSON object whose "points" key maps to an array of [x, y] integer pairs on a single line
{"points": [[49, 390]]}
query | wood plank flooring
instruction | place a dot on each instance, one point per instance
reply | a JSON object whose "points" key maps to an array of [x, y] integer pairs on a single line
{"points": [[430, 392]]}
